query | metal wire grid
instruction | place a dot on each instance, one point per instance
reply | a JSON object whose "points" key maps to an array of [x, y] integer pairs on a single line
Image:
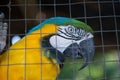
{"points": [[99, 33]]}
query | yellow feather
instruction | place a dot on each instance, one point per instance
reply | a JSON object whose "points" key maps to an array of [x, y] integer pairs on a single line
{"points": [[25, 59]]}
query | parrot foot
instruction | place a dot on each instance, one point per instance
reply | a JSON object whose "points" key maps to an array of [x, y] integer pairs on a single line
{"points": [[3, 32]]}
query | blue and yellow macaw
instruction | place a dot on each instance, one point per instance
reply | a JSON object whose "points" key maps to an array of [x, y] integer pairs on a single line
{"points": [[40, 54]]}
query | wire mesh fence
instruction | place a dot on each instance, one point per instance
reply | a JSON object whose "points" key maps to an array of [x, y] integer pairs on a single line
{"points": [[102, 15]]}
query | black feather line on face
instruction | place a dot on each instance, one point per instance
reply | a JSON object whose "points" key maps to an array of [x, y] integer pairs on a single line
{"points": [[54, 52], [71, 32]]}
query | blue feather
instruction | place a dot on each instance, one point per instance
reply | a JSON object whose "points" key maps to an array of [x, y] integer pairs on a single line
{"points": [[53, 20], [62, 21]]}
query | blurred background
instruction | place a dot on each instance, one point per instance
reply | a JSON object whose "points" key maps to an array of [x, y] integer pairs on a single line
{"points": [[102, 15]]}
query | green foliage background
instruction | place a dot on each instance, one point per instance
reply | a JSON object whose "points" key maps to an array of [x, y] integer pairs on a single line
{"points": [[102, 67]]}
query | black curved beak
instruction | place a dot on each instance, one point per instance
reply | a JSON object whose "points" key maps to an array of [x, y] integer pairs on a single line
{"points": [[85, 49]]}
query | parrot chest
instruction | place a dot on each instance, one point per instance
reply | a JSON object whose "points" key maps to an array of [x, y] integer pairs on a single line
{"points": [[27, 61]]}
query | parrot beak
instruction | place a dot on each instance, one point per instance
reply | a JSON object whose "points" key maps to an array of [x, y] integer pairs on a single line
{"points": [[85, 49]]}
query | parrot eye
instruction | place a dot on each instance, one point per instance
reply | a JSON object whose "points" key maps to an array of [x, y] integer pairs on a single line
{"points": [[70, 30]]}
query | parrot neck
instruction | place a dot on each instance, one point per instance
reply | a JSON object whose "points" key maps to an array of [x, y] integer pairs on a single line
{"points": [[51, 52]]}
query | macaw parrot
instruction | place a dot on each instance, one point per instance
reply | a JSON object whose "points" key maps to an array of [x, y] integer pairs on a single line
{"points": [[41, 53]]}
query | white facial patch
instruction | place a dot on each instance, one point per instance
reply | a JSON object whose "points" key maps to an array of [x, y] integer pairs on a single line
{"points": [[60, 43], [64, 39]]}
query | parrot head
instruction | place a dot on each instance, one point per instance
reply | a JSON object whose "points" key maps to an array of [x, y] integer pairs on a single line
{"points": [[72, 38]]}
